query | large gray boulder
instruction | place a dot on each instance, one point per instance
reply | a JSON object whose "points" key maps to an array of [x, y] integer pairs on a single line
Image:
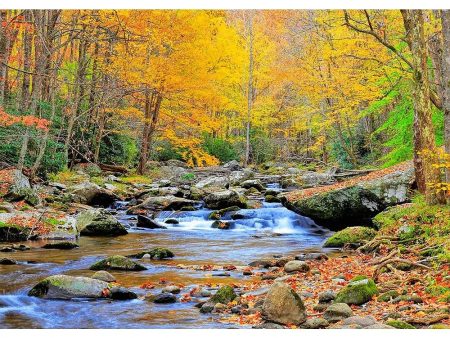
{"points": [[91, 194], [69, 287], [99, 222], [232, 165], [356, 203], [224, 199], [283, 305], [20, 189]]}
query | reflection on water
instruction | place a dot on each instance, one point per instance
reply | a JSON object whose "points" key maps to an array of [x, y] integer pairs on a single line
{"points": [[193, 241]]}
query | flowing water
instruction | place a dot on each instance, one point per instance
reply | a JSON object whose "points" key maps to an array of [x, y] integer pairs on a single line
{"points": [[270, 230]]}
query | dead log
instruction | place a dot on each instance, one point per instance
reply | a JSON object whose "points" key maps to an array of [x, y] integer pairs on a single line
{"points": [[113, 168]]}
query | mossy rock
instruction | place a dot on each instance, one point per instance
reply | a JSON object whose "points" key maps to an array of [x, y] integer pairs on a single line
{"points": [[13, 233], [218, 214], [117, 262], [99, 222], [224, 295], [251, 191], [388, 296], [272, 199], [156, 253], [350, 235], [61, 246], [221, 225], [357, 292], [399, 324]]}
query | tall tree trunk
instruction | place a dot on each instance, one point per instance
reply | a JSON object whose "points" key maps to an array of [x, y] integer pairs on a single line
{"points": [[424, 139], [445, 15], [250, 88], [143, 158]]}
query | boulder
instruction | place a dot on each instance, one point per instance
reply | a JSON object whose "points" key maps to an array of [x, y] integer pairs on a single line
{"points": [[148, 223], [69, 287], [224, 295], [357, 292], [358, 322], [399, 324], [212, 181], [357, 203], [315, 323], [207, 307], [61, 245], [296, 266], [158, 203], [221, 225], [117, 262], [91, 169], [7, 261], [352, 235], [232, 165], [224, 199], [256, 184], [13, 233], [20, 189], [326, 296], [91, 194], [99, 222], [104, 276], [165, 298], [269, 326], [337, 311], [238, 176], [283, 305]]}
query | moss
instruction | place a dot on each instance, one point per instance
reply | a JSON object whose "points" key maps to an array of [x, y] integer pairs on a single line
{"points": [[224, 295], [439, 326], [252, 191], [117, 262], [398, 324], [357, 292], [358, 278], [388, 296], [350, 235], [139, 179], [13, 233]]}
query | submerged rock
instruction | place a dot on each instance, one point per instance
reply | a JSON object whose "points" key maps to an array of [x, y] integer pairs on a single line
{"points": [[7, 261], [61, 246], [283, 305], [117, 263], [104, 276], [357, 292], [99, 222], [156, 253], [351, 235]]}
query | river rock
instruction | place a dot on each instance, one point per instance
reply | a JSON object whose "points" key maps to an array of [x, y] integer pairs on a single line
{"points": [[104, 276], [326, 296], [296, 266], [224, 199], [171, 289], [358, 322], [269, 326], [13, 233], [117, 262], [69, 287], [283, 305], [99, 222], [352, 235], [232, 165], [20, 188], [221, 225], [155, 253], [165, 298], [357, 292], [61, 246], [356, 203], [315, 323], [256, 184], [7, 261], [148, 223], [207, 307], [337, 311], [121, 293], [224, 295], [158, 203], [91, 194]]}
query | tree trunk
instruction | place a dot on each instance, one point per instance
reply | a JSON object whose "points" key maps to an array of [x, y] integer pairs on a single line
{"points": [[249, 89], [424, 139], [445, 15]]}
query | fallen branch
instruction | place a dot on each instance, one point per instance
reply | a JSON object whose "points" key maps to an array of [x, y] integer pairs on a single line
{"points": [[426, 320]]}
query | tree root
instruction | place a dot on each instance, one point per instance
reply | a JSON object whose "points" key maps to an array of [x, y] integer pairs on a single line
{"points": [[391, 261]]}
